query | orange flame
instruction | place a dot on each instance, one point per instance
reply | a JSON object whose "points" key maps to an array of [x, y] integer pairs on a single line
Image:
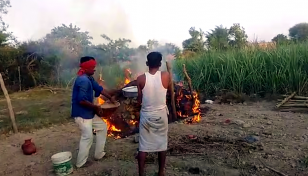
{"points": [[111, 128], [127, 73], [100, 100], [126, 81], [133, 122], [195, 107]]}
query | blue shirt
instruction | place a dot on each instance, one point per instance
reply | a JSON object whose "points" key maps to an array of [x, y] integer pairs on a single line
{"points": [[83, 90]]}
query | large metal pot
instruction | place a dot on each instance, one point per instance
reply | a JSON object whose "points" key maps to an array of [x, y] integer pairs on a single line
{"points": [[130, 92]]}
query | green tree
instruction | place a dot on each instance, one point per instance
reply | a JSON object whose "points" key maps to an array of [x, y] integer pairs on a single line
{"points": [[4, 39], [152, 44], [170, 48], [116, 50], [280, 39], [299, 32], [143, 48], [218, 38], [66, 42], [196, 42], [237, 36], [4, 5]]}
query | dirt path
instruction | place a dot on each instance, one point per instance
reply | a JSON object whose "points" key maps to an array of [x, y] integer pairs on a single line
{"points": [[281, 140]]}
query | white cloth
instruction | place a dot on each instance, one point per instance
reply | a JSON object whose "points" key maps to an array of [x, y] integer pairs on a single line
{"points": [[153, 131], [86, 126], [153, 126]]}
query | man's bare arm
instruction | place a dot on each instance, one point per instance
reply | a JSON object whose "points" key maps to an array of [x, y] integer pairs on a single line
{"points": [[139, 98], [88, 105], [106, 94]]}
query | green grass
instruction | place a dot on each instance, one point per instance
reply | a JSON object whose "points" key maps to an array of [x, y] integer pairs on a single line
{"points": [[35, 109], [250, 71]]}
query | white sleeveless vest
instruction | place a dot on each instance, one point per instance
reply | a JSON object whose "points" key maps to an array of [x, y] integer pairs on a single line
{"points": [[153, 93]]}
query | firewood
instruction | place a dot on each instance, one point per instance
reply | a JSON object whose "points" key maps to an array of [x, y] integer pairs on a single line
{"points": [[286, 99], [189, 82], [172, 91]]}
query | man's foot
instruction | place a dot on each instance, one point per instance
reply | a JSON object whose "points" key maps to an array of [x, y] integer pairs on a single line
{"points": [[87, 164], [97, 159]]}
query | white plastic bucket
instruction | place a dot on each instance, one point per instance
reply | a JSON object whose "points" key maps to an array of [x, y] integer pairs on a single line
{"points": [[62, 163]]}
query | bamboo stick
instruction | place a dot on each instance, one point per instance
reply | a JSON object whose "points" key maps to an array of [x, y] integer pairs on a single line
{"points": [[297, 97], [286, 99], [172, 91], [9, 104], [189, 82], [292, 100]]}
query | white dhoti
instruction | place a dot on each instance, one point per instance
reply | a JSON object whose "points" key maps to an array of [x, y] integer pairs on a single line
{"points": [[153, 131]]}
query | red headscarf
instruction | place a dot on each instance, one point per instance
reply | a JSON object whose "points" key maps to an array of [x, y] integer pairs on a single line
{"points": [[88, 65]]}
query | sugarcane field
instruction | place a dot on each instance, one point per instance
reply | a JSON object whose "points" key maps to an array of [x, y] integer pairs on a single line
{"points": [[104, 88]]}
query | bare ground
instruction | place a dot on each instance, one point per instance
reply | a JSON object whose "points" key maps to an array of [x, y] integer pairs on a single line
{"points": [[281, 144]]}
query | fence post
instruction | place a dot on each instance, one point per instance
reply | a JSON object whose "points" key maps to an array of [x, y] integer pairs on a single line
{"points": [[9, 104], [19, 77]]}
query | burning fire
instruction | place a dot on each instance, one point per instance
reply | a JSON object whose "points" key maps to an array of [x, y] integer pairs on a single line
{"points": [[101, 101], [111, 128], [196, 108], [113, 131], [189, 105], [127, 73]]}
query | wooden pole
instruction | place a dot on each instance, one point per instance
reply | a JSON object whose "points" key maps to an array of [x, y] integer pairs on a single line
{"points": [[172, 91], [189, 83], [9, 104], [19, 77]]}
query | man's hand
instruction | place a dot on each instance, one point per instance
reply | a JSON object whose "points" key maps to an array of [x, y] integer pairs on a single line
{"points": [[98, 111], [113, 100]]}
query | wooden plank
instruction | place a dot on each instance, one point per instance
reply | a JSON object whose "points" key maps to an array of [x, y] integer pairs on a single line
{"points": [[9, 104], [172, 91]]}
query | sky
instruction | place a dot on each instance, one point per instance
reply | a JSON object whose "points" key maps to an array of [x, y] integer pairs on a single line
{"points": [[163, 20]]}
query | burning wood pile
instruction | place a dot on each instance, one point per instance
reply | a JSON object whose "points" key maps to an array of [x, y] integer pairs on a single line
{"points": [[125, 120], [187, 104]]}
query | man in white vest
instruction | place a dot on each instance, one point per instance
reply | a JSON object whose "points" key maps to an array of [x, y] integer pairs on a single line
{"points": [[153, 126]]}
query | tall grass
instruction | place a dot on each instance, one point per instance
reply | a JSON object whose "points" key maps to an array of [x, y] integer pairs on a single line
{"points": [[250, 71]]}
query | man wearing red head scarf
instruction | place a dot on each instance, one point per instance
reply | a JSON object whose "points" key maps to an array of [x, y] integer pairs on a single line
{"points": [[85, 112]]}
